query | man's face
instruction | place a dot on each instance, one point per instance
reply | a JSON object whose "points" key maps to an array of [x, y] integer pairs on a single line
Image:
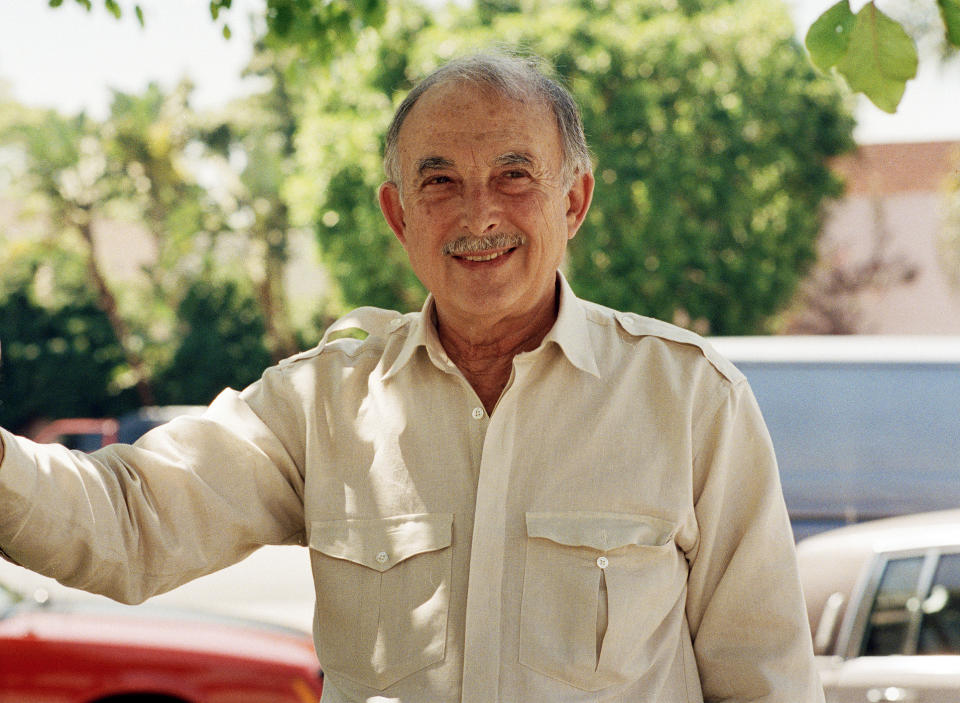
{"points": [[485, 213]]}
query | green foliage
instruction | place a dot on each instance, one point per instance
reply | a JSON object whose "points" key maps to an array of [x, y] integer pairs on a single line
{"points": [[139, 169], [60, 355], [339, 143], [111, 6], [318, 28], [828, 38], [873, 52], [711, 146], [372, 269], [221, 345], [710, 132], [950, 13]]}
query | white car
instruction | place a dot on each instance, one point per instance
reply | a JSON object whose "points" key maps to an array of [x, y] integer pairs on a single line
{"points": [[883, 599]]}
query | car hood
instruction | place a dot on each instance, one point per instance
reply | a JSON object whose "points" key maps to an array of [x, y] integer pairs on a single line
{"points": [[156, 627]]}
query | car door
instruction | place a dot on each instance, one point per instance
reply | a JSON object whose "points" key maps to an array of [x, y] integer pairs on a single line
{"points": [[903, 644]]}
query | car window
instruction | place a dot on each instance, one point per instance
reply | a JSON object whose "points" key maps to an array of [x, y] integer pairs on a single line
{"points": [[940, 623], [894, 606]]}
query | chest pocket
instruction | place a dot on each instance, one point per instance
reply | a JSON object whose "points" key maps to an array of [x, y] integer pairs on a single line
{"points": [[383, 594], [597, 590]]}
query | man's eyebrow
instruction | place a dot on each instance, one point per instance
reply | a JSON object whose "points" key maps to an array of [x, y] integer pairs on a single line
{"points": [[513, 158], [433, 163]]}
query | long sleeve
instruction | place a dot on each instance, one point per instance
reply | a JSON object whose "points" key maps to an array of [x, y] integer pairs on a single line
{"points": [[745, 607], [187, 499]]}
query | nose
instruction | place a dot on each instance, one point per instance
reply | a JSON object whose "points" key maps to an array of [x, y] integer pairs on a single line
{"points": [[481, 211]]}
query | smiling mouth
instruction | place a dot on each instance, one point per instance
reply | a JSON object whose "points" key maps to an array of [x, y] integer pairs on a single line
{"points": [[484, 257], [478, 250]]}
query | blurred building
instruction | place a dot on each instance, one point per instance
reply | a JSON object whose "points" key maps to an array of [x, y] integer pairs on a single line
{"points": [[890, 250]]}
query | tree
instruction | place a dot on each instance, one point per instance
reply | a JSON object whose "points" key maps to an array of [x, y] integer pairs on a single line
{"points": [[221, 345], [339, 144], [61, 357], [253, 140], [317, 27], [710, 131], [67, 168], [142, 168], [872, 51]]}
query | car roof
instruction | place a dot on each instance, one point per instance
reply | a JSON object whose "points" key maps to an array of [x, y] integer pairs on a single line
{"points": [[834, 561], [920, 530], [943, 349]]}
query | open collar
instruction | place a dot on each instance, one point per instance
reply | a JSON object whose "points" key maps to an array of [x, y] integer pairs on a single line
{"points": [[570, 332]]}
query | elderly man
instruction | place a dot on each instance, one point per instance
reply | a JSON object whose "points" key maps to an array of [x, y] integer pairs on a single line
{"points": [[513, 495]]}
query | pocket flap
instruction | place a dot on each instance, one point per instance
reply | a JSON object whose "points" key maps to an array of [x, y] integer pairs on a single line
{"points": [[602, 531], [382, 543]]}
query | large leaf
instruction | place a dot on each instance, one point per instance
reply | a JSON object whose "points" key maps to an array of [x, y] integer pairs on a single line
{"points": [[828, 38], [950, 11], [880, 58]]}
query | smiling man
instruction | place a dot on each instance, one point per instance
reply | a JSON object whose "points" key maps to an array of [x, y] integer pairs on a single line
{"points": [[483, 202], [512, 495]]}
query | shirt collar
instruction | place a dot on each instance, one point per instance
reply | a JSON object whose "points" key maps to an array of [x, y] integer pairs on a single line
{"points": [[570, 332], [421, 332]]}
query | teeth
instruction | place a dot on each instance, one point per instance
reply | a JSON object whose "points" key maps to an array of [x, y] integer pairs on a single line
{"points": [[487, 257]]}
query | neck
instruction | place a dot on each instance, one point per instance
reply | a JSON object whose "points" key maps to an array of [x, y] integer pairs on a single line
{"points": [[484, 351]]}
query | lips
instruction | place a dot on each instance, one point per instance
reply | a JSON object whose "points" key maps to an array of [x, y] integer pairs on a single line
{"points": [[480, 250], [484, 257]]}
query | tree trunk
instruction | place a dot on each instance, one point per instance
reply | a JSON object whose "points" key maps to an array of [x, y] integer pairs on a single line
{"points": [[108, 304], [281, 342]]}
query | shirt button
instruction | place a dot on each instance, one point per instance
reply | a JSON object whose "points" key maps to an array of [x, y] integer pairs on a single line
{"points": [[477, 413], [382, 558], [602, 562], [396, 324]]}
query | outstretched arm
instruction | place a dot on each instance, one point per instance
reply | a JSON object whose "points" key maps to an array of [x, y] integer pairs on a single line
{"points": [[190, 497]]}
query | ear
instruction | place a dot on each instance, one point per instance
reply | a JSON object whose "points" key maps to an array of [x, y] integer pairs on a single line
{"points": [[392, 209], [578, 201]]}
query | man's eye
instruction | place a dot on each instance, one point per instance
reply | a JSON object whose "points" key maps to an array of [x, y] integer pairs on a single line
{"points": [[516, 174], [436, 180]]}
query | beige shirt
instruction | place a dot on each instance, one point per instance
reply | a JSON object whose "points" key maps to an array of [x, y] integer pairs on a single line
{"points": [[613, 531]]}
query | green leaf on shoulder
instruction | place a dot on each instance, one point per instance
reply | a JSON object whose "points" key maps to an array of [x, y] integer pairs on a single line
{"points": [[880, 58], [950, 12], [828, 38]]}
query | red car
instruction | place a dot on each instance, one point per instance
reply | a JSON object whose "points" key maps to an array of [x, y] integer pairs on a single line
{"points": [[85, 652]]}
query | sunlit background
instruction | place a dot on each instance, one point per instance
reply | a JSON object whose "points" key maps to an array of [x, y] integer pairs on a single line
{"points": [[70, 59]]}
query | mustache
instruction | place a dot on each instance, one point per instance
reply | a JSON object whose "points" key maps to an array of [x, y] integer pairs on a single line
{"points": [[471, 245]]}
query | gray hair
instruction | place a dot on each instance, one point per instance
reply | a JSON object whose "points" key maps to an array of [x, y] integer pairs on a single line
{"points": [[510, 76]]}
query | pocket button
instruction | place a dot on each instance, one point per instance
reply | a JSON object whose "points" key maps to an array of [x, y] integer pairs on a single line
{"points": [[602, 562], [381, 558]]}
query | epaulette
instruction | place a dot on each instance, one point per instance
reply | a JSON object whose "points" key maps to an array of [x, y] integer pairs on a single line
{"points": [[639, 326], [375, 322]]}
